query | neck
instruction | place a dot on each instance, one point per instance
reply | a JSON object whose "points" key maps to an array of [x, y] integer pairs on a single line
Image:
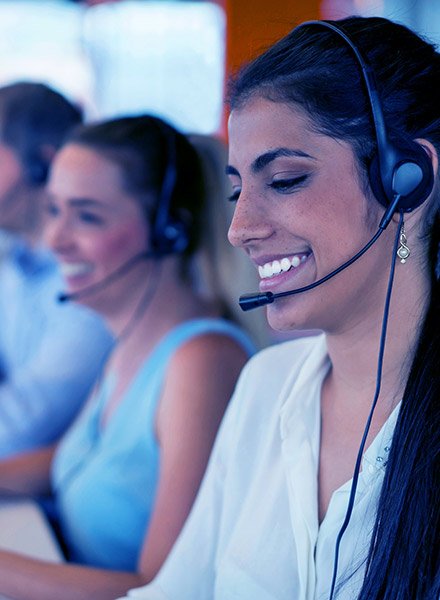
{"points": [[354, 351], [172, 304], [158, 303]]}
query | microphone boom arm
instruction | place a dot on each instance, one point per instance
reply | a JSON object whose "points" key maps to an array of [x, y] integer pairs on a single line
{"points": [[251, 301]]}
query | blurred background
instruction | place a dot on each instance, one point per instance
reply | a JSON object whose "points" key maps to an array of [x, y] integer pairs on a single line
{"points": [[171, 58]]}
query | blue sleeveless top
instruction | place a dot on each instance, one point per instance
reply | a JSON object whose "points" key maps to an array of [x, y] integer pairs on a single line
{"points": [[105, 479]]}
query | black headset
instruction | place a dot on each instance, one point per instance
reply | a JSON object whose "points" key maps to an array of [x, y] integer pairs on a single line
{"points": [[401, 178], [400, 174], [36, 167], [398, 168], [169, 235]]}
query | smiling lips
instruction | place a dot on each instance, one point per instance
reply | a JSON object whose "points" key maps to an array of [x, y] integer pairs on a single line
{"points": [[271, 269], [75, 269]]}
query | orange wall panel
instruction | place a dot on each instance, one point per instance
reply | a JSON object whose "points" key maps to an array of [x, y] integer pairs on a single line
{"points": [[255, 24]]}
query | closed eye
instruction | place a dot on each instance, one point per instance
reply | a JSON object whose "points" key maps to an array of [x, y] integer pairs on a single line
{"points": [[286, 186], [51, 209], [234, 196], [90, 218]]}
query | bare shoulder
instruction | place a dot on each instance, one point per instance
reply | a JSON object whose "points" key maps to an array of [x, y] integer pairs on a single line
{"points": [[209, 348], [200, 380]]}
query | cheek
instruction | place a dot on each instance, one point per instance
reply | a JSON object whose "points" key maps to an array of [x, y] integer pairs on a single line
{"points": [[116, 247], [11, 175], [344, 212]]}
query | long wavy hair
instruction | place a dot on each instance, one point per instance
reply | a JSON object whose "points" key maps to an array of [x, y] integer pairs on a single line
{"points": [[314, 69]]}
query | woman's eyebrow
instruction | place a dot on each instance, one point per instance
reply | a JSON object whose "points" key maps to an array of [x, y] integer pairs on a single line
{"points": [[264, 159], [85, 203]]}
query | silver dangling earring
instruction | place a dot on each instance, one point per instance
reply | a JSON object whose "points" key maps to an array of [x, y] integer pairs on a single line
{"points": [[403, 251]]}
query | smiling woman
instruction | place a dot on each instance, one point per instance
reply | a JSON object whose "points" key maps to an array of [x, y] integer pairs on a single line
{"points": [[96, 231], [288, 199], [325, 479], [126, 203]]}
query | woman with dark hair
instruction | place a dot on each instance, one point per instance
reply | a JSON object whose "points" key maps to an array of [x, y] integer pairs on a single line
{"points": [[124, 218], [335, 197]]}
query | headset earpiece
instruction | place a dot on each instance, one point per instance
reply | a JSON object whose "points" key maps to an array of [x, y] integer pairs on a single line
{"points": [[37, 169], [401, 178], [400, 168], [169, 235], [405, 170], [171, 239]]}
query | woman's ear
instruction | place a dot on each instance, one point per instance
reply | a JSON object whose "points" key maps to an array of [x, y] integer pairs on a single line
{"points": [[431, 151], [412, 217]]}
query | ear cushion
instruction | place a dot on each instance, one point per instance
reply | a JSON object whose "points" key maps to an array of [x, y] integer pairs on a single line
{"points": [[172, 239], [396, 171], [37, 169]]}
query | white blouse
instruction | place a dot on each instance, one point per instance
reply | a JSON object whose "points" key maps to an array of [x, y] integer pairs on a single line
{"points": [[253, 533]]}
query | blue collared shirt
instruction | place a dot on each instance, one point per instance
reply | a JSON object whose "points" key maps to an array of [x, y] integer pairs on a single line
{"points": [[50, 353]]}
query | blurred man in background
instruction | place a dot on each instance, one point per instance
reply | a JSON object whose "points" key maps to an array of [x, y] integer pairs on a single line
{"points": [[50, 353]]}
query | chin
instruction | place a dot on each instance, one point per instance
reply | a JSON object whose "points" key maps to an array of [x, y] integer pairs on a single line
{"points": [[288, 314], [87, 302], [92, 301], [285, 322]]}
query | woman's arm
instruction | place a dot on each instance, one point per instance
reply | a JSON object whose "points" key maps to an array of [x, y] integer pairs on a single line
{"points": [[199, 384], [27, 473], [24, 578]]}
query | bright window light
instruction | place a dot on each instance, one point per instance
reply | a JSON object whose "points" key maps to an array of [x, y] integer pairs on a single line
{"points": [[421, 15], [41, 41], [162, 57]]}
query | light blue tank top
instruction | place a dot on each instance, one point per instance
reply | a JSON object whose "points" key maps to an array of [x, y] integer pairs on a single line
{"points": [[105, 480]]}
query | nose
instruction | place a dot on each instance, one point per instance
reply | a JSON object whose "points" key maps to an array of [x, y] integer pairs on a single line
{"points": [[57, 235], [250, 222]]}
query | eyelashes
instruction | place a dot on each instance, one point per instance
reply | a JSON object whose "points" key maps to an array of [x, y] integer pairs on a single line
{"points": [[289, 185], [281, 186], [234, 196], [90, 218], [50, 209], [84, 217]]}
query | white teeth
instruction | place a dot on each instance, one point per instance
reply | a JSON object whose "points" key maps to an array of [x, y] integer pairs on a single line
{"points": [[285, 264], [267, 270], [275, 267], [74, 269]]}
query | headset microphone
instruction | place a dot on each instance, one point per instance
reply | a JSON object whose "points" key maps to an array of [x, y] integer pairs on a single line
{"points": [[103, 283], [401, 178], [251, 301], [400, 174]]}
